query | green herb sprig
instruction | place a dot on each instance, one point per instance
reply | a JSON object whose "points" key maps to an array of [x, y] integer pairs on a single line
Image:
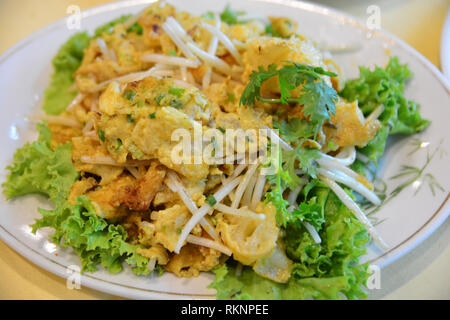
{"points": [[317, 97]]}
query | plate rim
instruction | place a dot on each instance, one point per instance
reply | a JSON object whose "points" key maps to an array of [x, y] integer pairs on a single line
{"points": [[415, 239]]}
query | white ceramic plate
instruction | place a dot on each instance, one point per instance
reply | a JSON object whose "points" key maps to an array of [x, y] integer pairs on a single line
{"points": [[408, 219]]}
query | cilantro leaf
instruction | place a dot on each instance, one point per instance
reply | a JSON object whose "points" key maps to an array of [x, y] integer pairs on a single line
{"points": [[294, 129], [211, 200], [318, 99], [300, 158], [316, 96], [279, 181]]}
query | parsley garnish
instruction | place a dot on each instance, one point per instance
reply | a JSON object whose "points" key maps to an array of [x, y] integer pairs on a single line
{"points": [[152, 115], [279, 181], [130, 118], [300, 158], [286, 163], [316, 96]]}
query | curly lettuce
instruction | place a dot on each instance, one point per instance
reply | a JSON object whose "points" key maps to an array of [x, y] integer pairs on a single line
{"points": [[385, 87], [39, 169], [93, 239], [68, 59]]}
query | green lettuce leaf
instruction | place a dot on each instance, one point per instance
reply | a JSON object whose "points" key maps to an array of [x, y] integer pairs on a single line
{"points": [[385, 87], [312, 211], [91, 237], [107, 27], [249, 286], [58, 94], [38, 169]]}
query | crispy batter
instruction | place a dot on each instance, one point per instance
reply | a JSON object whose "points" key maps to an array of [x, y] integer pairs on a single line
{"points": [[81, 187], [193, 259], [106, 197], [83, 146], [128, 193], [155, 252], [139, 195], [62, 134], [351, 127]]}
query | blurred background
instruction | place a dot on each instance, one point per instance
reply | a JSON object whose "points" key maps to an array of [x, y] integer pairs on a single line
{"points": [[421, 274], [418, 22]]}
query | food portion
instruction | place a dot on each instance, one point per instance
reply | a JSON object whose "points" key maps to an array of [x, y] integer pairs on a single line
{"points": [[225, 143]]}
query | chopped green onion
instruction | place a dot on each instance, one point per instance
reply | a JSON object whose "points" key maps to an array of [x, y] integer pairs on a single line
{"points": [[136, 27], [129, 95], [159, 98], [176, 104], [101, 135], [177, 92], [173, 53], [130, 118], [211, 200], [119, 144], [152, 115]]}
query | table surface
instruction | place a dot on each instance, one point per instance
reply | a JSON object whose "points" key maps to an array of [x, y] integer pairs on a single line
{"points": [[421, 274]]}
